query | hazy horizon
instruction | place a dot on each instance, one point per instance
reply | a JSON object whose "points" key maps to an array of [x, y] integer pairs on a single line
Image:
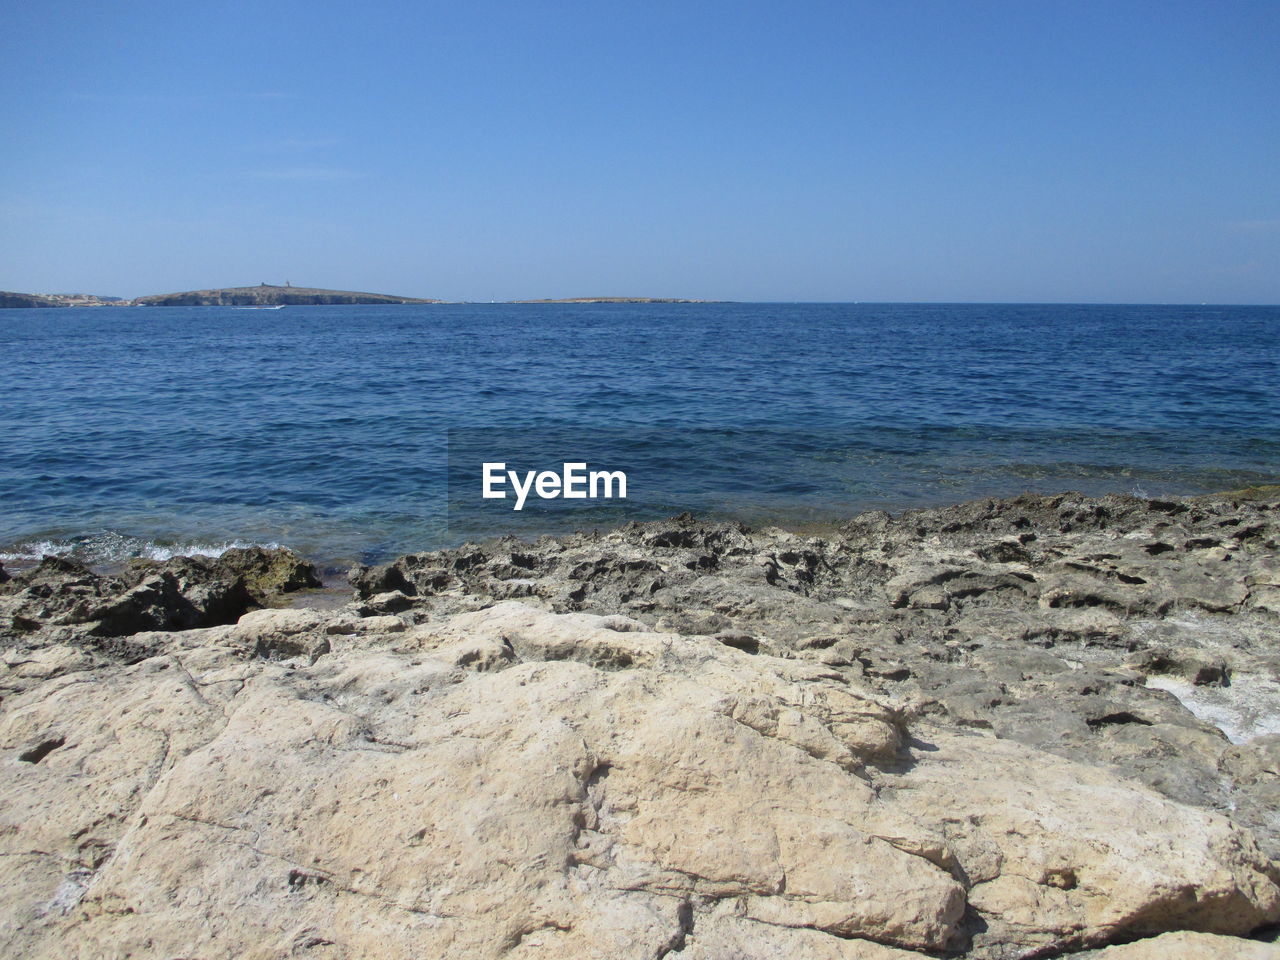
{"points": [[928, 152]]}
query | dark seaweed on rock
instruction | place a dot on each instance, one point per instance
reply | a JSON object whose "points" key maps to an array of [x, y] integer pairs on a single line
{"points": [[177, 594]]}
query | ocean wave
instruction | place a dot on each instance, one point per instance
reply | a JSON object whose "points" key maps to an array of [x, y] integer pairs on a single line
{"points": [[111, 547]]}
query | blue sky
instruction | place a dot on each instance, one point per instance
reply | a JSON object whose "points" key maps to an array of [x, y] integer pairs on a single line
{"points": [[1004, 151]]}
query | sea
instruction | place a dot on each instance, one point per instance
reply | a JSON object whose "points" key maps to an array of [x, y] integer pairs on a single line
{"points": [[358, 433]]}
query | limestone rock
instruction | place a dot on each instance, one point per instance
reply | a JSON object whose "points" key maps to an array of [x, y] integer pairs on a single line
{"points": [[1137, 635], [1008, 729], [1188, 946], [513, 781]]}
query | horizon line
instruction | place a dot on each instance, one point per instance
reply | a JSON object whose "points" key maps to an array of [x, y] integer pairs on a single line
{"points": [[688, 300]]}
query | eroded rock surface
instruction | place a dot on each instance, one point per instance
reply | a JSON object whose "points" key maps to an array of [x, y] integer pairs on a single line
{"points": [[677, 740], [1139, 635], [62, 599]]}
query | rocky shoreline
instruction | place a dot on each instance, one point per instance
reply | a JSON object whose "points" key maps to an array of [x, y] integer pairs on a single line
{"points": [[1005, 729]]}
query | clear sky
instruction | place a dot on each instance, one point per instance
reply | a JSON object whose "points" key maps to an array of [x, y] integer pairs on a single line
{"points": [[956, 150]]}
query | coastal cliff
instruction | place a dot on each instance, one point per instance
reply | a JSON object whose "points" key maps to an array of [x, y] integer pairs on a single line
{"points": [[267, 295], [1005, 729]]}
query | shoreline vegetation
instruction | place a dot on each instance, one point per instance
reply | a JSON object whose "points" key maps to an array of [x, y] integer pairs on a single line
{"points": [[265, 294], [1011, 727]]}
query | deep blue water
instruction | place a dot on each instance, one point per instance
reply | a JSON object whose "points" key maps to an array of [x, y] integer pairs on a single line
{"points": [[330, 429]]}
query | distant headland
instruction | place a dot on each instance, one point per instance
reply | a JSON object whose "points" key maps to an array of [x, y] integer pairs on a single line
{"points": [[269, 295], [614, 300], [263, 295], [59, 300]]}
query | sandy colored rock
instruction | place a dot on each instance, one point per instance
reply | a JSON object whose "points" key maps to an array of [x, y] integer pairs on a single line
{"points": [[1133, 634], [1188, 946], [1076, 855], [679, 740], [585, 788]]}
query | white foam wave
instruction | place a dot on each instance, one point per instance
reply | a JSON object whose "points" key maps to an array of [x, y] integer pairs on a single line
{"points": [[1242, 711], [114, 547]]}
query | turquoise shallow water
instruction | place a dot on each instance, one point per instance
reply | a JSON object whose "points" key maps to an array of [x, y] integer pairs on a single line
{"points": [[357, 432]]}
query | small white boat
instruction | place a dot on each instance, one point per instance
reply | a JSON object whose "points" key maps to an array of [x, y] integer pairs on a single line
{"points": [[278, 306]]}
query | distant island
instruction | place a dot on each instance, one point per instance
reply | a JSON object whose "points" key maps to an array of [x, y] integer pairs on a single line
{"points": [[613, 300], [263, 295], [8, 299], [269, 295], [266, 295]]}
